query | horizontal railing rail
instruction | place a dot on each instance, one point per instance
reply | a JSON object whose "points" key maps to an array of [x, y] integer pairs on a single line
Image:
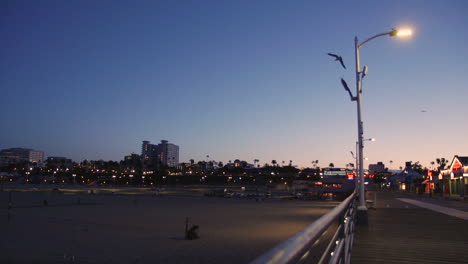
{"points": [[329, 239]]}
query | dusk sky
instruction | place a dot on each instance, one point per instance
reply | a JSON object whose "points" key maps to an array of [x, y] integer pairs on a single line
{"points": [[234, 79]]}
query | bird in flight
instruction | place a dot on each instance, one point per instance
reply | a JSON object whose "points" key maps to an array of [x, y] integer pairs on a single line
{"points": [[337, 58], [424, 111]]}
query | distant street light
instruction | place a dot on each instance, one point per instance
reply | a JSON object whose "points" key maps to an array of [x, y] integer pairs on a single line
{"points": [[362, 208]]}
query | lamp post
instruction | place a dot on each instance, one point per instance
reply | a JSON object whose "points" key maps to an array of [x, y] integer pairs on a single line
{"points": [[362, 208], [356, 157]]}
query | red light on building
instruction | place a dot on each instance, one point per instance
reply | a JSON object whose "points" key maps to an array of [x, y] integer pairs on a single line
{"points": [[456, 165]]}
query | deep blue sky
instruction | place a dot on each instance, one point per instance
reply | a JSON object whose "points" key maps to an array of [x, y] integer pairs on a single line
{"points": [[233, 79]]}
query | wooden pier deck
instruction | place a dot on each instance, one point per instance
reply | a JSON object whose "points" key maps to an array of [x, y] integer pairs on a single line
{"points": [[399, 232]]}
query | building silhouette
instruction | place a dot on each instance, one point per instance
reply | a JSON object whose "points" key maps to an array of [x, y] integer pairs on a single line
{"points": [[59, 162], [20, 155], [377, 168], [164, 153], [133, 161]]}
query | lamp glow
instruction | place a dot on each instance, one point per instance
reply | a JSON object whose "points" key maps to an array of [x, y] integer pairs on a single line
{"points": [[404, 33]]}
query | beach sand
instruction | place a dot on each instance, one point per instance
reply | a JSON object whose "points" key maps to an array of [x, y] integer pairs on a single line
{"points": [[146, 229]]}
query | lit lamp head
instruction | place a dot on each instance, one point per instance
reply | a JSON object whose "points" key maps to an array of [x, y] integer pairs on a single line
{"points": [[401, 33]]}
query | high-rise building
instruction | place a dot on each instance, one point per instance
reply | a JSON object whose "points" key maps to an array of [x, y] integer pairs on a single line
{"points": [[19, 155], [168, 153], [146, 148], [164, 153]]}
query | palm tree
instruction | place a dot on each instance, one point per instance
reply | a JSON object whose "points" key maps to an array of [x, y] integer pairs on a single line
{"points": [[442, 162], [290, 163], [391, 164], [255, 162], [273, 162], [314, 163], [331, 165]]}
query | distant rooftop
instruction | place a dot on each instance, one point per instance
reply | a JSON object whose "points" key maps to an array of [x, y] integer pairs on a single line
{"points": [[463, 160]]}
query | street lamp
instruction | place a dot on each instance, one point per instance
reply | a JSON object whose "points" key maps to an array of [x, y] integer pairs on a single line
{"points": [[362, 208]]}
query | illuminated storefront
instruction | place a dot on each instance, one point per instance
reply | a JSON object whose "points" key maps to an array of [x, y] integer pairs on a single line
{"points": [[429, 182], [455, 178]]}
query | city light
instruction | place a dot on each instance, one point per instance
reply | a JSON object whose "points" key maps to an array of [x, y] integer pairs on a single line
{"points": [[400, 33], [404, 33]]}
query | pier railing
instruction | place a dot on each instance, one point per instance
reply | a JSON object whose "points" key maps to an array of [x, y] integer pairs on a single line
{"points": [[329, 239]]}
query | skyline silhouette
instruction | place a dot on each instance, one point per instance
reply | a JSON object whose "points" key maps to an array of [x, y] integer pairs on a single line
{"points": [[248, 80]]}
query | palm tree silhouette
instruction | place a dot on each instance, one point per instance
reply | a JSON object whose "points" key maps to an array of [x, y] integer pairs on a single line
{"points": [[442, 162], [255, 162]]}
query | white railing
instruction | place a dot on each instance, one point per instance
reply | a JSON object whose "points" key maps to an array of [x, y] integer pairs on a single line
{"points": [[327, 240]]}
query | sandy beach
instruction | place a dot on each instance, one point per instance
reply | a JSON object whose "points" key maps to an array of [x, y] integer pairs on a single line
{"points": [[146, 229]]}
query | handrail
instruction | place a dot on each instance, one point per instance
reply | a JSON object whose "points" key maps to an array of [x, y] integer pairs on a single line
{"points": [[296, 248]]}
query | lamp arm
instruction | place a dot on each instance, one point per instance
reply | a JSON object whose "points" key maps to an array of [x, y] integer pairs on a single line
{"points": [[376, 36]]}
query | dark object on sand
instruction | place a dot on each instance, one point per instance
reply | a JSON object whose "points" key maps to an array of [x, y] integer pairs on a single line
{"points": [[192, 233]]}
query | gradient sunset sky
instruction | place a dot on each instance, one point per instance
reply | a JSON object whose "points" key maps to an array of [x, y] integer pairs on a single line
{"points": [[234, 79]]}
